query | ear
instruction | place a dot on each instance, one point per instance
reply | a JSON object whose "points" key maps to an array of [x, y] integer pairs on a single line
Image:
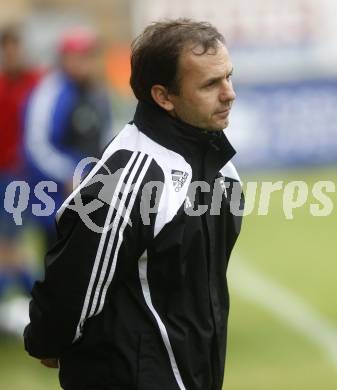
{"points": [[161, 97]]}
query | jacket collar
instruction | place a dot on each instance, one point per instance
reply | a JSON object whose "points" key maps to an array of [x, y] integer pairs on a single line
{"points": [[176, 135]]}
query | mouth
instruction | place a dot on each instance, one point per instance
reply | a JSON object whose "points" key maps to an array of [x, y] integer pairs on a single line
{"points": [[223, 113]]}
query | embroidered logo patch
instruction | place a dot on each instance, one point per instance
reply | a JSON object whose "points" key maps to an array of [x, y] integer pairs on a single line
{"points": [[178, 178]]}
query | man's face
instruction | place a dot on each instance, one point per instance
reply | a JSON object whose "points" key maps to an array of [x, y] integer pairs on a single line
{"points": [[11, 52], [205, 88], [81, 67]]}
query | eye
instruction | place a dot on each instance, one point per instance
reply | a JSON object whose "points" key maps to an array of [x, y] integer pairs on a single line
{"points": [[210, 84]]}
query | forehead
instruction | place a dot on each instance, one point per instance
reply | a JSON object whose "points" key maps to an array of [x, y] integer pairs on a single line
{"points": [[197, 65]]}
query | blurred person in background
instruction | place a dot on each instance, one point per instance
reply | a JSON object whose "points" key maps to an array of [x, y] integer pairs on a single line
{"points": [[17, 80], [68, 117], [138, 298]]}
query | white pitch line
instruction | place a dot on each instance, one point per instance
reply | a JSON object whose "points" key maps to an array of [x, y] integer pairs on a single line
{"points": [[284, 304]]}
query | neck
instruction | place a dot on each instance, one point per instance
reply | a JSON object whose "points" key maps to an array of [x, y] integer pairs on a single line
{"points": [[179, 136]]}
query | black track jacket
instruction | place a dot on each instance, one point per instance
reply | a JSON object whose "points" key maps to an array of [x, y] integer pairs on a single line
{"points": [[135, 292]]}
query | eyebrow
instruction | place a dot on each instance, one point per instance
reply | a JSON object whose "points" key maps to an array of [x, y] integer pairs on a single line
{"points": [[216, 79]]}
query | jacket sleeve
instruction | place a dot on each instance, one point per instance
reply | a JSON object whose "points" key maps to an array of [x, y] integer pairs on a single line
{"points": [[45, 116], [82, 265]]}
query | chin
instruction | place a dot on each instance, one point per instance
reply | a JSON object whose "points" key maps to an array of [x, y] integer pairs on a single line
{"points": [[225, 124], [219, 126]]}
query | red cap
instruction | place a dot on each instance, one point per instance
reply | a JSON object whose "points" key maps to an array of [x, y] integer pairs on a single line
{"points": [[77, 40]]}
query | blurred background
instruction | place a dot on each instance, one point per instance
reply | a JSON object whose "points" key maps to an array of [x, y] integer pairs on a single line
{"points": [[71, 57]]}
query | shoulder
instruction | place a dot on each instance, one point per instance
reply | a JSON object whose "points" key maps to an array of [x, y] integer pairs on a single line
{"points": [[32, 75], [50, 85], [133, 140], [134, 158], [167, 167], [50, 91]]}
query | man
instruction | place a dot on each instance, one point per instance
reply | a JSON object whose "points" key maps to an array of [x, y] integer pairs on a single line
{"points": [[68, 116], [17, 80], [143, 303]]}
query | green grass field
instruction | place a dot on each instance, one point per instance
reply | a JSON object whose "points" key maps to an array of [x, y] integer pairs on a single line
{"points": [[299, 255], [266, 350]]}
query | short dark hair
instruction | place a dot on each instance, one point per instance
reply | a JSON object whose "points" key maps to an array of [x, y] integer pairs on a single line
{"points": [[155, 53]]}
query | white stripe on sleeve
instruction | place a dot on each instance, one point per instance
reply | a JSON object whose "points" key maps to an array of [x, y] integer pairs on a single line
{"points": [[120, 233], [101, 245], [40, 111], [114, 231]]}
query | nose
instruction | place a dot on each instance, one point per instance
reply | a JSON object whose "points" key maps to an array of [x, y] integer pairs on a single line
{"points": [[227, 92]]}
